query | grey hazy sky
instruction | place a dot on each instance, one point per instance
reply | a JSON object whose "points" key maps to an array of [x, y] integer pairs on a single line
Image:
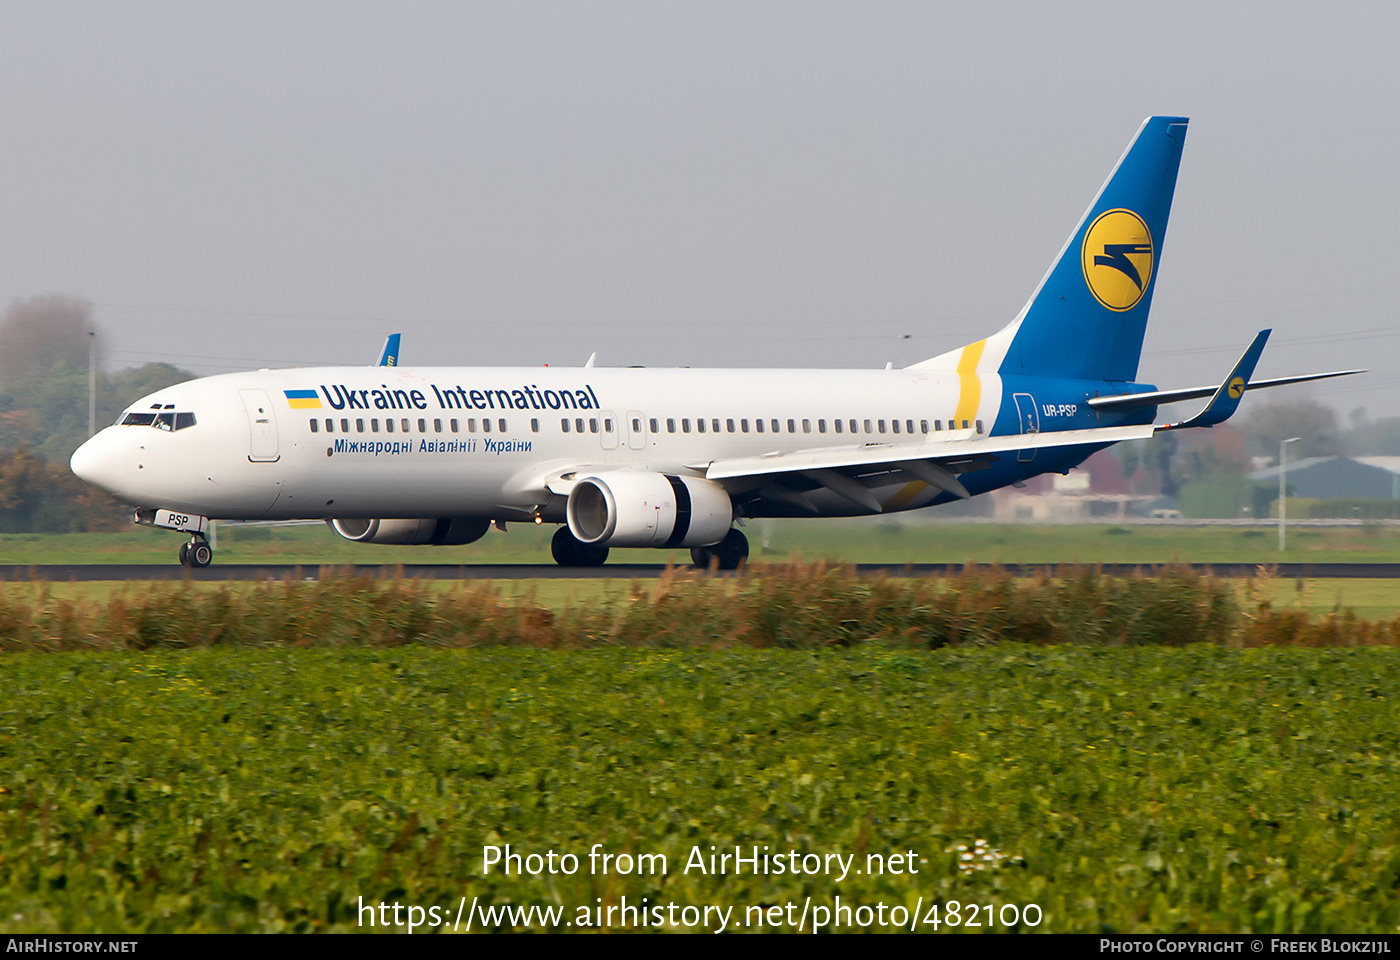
{"points": [[250, 184]]}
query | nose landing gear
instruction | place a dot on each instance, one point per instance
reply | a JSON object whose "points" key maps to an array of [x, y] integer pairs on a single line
{"points": [[197, 552]]}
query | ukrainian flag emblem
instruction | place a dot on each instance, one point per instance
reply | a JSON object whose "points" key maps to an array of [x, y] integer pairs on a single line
{"points": [[303, 399]]}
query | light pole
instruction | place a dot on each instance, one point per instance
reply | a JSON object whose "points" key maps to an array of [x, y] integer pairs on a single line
{"points": [[1283, 486], [92, 383]]}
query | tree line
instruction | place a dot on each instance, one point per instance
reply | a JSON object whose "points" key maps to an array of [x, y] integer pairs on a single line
{"points": [[46, 345]]}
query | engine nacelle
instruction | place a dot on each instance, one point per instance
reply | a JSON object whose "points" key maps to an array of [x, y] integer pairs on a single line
{"points": [[445, 531], [634, 509]]}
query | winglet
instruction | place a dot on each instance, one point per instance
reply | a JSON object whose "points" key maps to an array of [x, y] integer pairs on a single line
{"points": [[1226, 399], [389, 355]]}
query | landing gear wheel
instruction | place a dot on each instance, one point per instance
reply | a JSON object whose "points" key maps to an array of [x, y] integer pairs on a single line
{"points": [[196, 553], [569, 551], [200, 553], [732, 551]]}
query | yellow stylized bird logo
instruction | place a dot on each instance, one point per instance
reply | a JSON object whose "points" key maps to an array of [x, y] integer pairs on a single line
{"points": [[1236, 388], [1117, 259]]}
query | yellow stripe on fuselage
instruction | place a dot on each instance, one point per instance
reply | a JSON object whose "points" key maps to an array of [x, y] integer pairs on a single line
{"points": [[969, 385]]}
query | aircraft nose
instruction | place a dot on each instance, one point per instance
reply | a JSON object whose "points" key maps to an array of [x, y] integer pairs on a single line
{"points": [[101, 462]]}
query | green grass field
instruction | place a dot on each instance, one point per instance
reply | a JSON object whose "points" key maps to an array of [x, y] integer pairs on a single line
{"points": [[1148, 790], [1127, 788], [870, 540]]}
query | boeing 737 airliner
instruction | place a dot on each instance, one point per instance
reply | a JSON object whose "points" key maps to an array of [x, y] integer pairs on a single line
{"points": [[673, 458]]}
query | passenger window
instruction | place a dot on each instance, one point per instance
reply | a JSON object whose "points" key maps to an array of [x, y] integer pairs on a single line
{"points": [[867, 427], [501, 426], [908, 426], [837, 424], [485, 425], [923, 426], [792, 426], [437, 425], [636, 424], [592, 424], [315, 426], [359, 424], [744, 426], [700, 424], [894, 424], [655, 425], [670, 424], [854, 428], [453, 425], [730, 424], [344, 426], [979, 426], [938, 425], [715, 425], [882, 426], [685, 424], [534, 425], [774, 425], [330, 425], [578, 425], [564, 424], [821, 426], [966, 425], [389, 425], [404, 424], [806, 426], [422, 426], [374, 425], [758, 425]]}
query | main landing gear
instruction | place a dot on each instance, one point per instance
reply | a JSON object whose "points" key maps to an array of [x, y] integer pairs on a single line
{"points": [[197, 552], [729, 552], [570, 551]]}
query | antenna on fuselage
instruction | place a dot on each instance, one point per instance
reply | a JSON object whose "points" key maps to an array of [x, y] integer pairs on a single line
{"points": [[588, 364]]}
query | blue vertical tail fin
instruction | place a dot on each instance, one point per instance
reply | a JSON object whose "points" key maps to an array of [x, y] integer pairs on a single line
{"points": [[1087, 318]]}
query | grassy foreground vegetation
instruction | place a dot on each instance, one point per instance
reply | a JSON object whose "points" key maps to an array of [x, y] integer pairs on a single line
{"points": [[1141, 755], [796, 606]]}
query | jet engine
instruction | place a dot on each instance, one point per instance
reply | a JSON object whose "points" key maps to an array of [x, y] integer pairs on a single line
{"points": [[634, 509], [445, 531]]}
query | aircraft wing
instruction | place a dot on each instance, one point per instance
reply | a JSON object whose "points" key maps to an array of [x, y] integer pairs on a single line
{"points": [[937, 462], [389, 353]]}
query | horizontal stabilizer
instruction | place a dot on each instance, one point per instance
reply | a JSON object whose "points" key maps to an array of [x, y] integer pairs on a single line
{"points": [[1232, 391]]}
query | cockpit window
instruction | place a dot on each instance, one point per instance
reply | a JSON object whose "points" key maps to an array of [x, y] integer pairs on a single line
{"points": [[166, 420]]}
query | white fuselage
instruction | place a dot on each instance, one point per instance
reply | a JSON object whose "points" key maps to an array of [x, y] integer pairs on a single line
{"points": [[419, 442]]}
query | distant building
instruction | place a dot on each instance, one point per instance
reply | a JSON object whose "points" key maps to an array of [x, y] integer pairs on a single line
{"points": [[1338, 478], [1095, 489]]}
